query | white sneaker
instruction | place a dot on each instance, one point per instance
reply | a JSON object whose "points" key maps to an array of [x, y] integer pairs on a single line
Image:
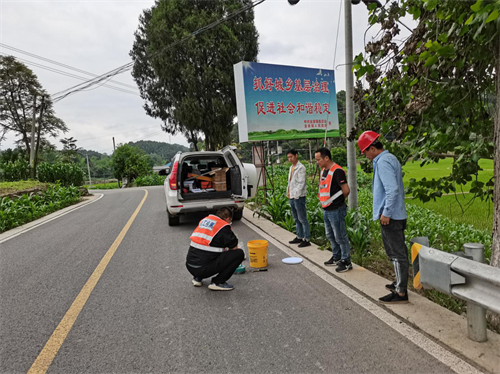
{"points": [[197, 282], [221, 287]]}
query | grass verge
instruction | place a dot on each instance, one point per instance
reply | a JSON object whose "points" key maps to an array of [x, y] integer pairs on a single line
{"points": [[461, 208], [103, 186], [14, 187]]}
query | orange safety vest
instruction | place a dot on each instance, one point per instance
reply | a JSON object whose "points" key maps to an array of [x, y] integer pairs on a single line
{"points": [[205, 233], [325, 185]]}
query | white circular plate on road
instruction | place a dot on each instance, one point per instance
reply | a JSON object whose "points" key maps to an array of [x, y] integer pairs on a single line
{"points": [[292, 260]]}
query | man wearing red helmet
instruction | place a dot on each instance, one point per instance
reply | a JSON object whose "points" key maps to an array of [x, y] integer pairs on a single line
{"points": [[389, 208]]}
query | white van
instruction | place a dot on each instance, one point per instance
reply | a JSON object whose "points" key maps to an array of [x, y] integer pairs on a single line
{"points": [[206, 181]]}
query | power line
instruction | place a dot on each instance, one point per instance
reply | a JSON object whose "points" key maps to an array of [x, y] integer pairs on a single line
{"points": [[61, 64], [334, 58], [143, 138], [65, 93], [105, 136], [54, 70]]}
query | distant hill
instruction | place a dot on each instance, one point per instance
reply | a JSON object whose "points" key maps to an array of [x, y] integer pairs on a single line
{"points": [[164, 150], [160, 152]]}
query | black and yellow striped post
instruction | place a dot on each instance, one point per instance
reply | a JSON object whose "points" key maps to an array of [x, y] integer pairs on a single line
{"points": [[415, 248]]}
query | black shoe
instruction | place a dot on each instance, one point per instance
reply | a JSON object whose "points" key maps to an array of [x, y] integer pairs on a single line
{"points": [[391, 287], [305, 243], [394, 298], [344, 266], [332, 262], [295, 241]]}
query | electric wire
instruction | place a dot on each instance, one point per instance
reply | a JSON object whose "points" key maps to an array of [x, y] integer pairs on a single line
{"points": [[334, 59], [71, 75], [136, 140], [61, 64], [124, 132], [69, 91]]}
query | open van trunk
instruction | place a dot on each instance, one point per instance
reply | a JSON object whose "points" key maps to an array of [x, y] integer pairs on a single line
{"points": [[209, 176]]}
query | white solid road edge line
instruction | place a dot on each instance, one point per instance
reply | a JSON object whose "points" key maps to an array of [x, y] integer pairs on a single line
{"points": [[446, 357], [43, 220]]}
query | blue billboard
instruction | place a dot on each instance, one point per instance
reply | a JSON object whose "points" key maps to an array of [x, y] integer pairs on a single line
{"points": [[277, 102]]}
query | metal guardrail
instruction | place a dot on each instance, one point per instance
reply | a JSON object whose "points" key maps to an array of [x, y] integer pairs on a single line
{"points": [[469, 280]]}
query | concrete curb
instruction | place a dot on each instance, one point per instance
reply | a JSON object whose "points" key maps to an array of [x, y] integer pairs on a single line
{"points": [[437, 322], [33, 224]]}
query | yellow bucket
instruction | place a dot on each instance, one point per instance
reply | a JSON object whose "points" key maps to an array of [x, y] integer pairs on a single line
{"points": [[257, 252]]}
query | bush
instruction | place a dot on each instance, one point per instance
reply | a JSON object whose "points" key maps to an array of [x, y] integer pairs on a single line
{"points": [[64, 173], [339, 156], [14, 171], [150, 180], [16, 212], [104, 186]]}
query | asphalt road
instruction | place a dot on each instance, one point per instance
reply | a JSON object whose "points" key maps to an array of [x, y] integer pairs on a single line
{"points": [[144, 315]]}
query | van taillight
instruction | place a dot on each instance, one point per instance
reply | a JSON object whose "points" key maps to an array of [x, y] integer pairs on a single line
{"points": [[172, 180]]}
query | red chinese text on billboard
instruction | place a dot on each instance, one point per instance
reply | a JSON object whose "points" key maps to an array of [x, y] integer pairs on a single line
{"points": [[297, 85], [316, 123]]}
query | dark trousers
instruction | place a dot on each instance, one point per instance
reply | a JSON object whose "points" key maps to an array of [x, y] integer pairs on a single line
{"points": [[393, 237], [224, 265]]}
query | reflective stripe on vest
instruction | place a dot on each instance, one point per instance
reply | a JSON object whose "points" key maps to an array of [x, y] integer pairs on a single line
{"points": [[325, 185], [208, 248], [205, 233]]}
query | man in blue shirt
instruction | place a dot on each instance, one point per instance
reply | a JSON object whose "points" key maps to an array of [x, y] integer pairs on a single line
{"points": [[389, 208]]}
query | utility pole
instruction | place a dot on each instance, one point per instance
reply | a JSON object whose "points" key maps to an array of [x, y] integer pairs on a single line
{"points": [[114, 149], [349, 78], [88, 168], [32, 145]]}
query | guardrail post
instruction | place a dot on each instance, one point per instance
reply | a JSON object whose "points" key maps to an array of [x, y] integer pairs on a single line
{"points": [[476, 316]]}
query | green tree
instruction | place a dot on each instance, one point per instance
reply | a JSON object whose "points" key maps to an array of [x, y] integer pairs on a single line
{"points": [[12, 155], [69, 151], [164, 150], [129, 162], [190, 85], [434, 93], [22, 98]]}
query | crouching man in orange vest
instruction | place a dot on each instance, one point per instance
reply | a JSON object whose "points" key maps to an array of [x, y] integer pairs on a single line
{"points": [[214, 250]]}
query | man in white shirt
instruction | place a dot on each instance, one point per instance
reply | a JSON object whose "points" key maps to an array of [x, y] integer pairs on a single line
{"points": [[296, 192]]}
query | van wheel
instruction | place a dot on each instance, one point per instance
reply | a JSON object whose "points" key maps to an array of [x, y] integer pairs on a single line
{"points": [[173, 220], [238, 215]]}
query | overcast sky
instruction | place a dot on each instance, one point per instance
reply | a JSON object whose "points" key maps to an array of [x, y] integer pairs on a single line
{"points": [[97, 35]]}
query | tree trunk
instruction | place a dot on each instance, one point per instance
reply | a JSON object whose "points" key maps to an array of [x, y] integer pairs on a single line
{"points": [[38, 135], [493, 318]]}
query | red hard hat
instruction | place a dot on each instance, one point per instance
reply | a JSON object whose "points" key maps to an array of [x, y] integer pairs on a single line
{"points": [[366, 139]]}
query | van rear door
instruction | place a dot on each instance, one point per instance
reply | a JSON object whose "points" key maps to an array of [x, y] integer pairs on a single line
{"points": [[238, 174]]}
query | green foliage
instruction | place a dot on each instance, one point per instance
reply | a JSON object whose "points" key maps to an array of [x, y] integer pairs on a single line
{"points": [[364, 233], [150, 180], [462, 208], [15, 187], [434, 93], [22, 97], [16, 212], [104, 186], [160, 152], [339, 156], [190, 85], [14, 171], [129, 162], [69, 152], [63, 173], [358, 231], [11, 155]]}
